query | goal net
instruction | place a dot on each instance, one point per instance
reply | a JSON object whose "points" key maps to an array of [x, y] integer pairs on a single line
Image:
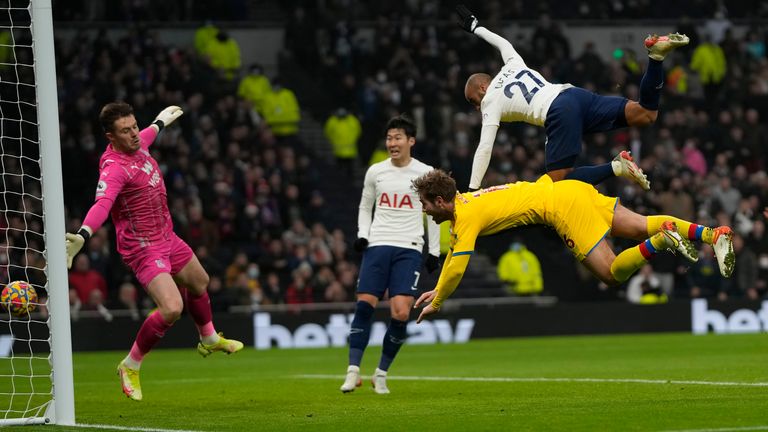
{"points": [[35, 349]]}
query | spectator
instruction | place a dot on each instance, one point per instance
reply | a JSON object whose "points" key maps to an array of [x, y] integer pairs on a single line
{"points": [[204, 35], [644, 283], [709, 62], [221, 298], [273, 293], [299, 291], [127, 300], [727, 196], [676, 201], [238, 267], [520, 270], [255, 87], [343, 130], [83, 279], [704, 279], [223, 53], [747, 281], [281, 112]]}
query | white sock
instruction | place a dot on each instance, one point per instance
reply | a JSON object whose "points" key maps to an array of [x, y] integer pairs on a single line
{"points": [[616, 165], [379, 372], [210, 339], [353, 368], [130, 363]]}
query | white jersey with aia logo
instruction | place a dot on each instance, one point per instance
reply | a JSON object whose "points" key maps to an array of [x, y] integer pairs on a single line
{"points": [[390, 211]]}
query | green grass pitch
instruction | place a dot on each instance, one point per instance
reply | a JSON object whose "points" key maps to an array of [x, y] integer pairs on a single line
{"points": [[650, 382]]}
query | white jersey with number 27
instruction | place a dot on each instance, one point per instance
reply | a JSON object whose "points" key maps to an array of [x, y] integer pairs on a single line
{"points": [[518, 93]]}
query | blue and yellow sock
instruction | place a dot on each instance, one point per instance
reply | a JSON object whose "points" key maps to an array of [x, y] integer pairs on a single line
{"points": [[630, 260], [690, 230]]}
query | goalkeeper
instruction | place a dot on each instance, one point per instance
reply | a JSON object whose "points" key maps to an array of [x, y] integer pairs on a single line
{"points": [[580, 215], [131, 187], [519, 93]]}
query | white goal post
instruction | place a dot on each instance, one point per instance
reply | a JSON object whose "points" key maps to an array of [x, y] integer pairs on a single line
{"points": [[36, 380]]}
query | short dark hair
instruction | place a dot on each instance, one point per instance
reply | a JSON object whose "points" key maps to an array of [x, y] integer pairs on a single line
{"points": [[404, 123], [436, 183], [113, 111]]}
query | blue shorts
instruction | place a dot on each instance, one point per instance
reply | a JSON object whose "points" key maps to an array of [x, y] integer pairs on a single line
{"points": [[389, 267], [576, 112]]}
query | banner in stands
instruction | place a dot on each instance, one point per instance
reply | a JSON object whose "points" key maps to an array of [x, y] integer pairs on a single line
{"points": [[454, 324]]}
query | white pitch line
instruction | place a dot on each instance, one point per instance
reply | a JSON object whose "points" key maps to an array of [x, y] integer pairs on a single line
{"points": [[725, 429], [129, 428], [542, 379]]}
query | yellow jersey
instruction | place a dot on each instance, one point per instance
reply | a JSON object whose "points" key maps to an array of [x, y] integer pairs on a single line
{"points": [[580, 215]]}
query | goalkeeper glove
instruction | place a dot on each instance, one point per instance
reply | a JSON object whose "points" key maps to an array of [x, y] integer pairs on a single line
{"points": [[360, 244], [432, 263], [468, 20], [75, 242], [167, 116]]}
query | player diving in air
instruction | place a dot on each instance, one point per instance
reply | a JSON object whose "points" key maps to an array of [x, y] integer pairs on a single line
{"points": [[581, 216], [519, 93]]}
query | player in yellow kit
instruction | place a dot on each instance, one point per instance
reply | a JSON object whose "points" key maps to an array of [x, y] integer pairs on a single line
{"points": [[580, 215]]}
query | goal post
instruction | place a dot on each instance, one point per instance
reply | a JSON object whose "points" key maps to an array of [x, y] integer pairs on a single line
{"points": [[36, 377], [62, 408]]}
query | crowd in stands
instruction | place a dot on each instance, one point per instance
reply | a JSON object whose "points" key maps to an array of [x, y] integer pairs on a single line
{"points": [[243, 188]]}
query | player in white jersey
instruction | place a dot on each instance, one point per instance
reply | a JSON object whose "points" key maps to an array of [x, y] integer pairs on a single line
{"points": [[519, 93], [391, 237]]}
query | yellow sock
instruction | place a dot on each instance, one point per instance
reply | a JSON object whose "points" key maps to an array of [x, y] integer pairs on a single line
{"points": [[687, 229], [628, 262]]}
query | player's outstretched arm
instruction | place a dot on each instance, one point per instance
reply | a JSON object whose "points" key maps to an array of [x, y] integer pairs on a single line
{"points": [[450, 276], [166, 117], [468, 21], [482, 156], [74, 242]]}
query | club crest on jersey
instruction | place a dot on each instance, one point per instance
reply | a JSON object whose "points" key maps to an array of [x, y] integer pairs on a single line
{"points": [[395, 200]]}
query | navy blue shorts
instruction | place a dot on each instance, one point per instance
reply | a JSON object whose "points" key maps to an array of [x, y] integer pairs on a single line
{"points": [[389, 267], [576, 112]]}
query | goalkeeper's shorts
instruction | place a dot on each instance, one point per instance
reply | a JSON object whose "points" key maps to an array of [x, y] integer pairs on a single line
{"points": [[170, 256]]}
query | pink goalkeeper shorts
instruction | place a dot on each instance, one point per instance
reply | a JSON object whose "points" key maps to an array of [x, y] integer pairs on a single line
{"points": [[168, 257]]}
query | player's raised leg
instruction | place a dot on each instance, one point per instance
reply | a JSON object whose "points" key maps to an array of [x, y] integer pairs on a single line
{"points": [[663, 234], [721, 239], [566, 120], [645, 111], [195, 279]]}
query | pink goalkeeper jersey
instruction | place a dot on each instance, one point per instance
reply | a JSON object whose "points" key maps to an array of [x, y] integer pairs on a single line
{"points": [[131, 186]]}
